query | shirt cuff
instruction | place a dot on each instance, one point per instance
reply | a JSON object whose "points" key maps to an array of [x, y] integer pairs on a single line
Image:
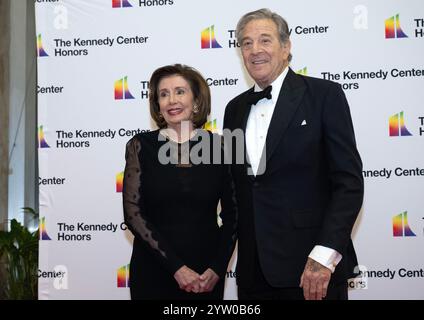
{"points": [[326, 256]]}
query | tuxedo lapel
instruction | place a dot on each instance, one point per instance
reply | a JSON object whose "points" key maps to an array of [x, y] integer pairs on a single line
{"points": [[291, 95], [245, 110], [243, 116]]}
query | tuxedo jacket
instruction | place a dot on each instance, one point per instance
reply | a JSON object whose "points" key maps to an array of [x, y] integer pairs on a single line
{"points": [[311, 190]]}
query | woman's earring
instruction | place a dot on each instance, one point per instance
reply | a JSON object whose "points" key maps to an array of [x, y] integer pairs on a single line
{"points": [[160, 115], [195, 109]]}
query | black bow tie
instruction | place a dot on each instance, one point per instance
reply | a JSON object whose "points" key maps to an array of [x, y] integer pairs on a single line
{"points": [[254, 97]]}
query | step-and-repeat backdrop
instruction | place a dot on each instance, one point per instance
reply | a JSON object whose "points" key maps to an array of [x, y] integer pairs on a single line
{"points": [[94, 61]]}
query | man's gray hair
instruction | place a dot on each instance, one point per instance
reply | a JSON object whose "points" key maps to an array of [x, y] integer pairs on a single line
{"points": [[280, 22]]}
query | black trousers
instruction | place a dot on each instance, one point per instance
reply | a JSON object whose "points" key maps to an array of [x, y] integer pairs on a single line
{"points": [[261, 290]]}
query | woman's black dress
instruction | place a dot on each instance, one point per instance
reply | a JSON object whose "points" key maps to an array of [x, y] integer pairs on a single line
{"points": [[172, 211]]}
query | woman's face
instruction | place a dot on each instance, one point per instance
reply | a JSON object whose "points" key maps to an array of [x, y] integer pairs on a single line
{"points": [[175, 100]]}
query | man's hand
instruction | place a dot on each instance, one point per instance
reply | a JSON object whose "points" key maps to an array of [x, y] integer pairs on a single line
{"points": [[208, 280], [314, 280], [187, 279]]}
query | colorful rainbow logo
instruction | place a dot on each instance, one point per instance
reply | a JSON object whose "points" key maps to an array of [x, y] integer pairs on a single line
{"points": [[303, 72], [40, 50], [121, 4], [42, 143], [393, 29], [397, 126], [119, 181], [43, 230], [121, 89], [211, 126], [208, 40], [123, 277], [401, 227]]}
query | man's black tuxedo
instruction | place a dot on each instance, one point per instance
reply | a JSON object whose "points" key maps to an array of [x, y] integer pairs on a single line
{"points": [[312, 189]]}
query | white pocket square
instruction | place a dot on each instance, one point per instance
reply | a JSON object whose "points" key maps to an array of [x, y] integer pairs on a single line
{"points": [[303, 123]]}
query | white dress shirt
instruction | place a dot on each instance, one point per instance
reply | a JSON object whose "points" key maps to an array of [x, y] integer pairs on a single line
{"points": [[256, 131]]}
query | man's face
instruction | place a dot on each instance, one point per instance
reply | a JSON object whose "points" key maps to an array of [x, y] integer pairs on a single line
{"points": [[264, 56]]}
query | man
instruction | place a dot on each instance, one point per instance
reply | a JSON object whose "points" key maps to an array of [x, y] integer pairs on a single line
{"points": [[302, 188]]}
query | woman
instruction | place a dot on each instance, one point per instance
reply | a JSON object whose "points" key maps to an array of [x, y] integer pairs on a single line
{"points": [[170, 203]]}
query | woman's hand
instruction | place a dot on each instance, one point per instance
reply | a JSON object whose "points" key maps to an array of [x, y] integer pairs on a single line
{"points": [[208, 280], [187, 279]]}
